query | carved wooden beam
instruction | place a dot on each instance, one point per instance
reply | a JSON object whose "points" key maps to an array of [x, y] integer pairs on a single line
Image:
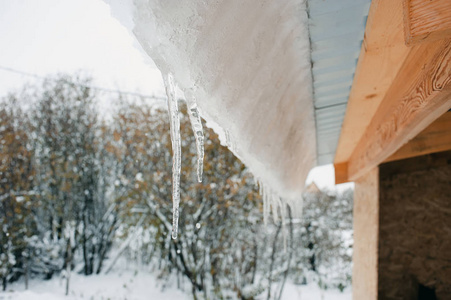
{"points": [[426, 20], [341, 172], [435, 138], [420, 93], [397, 89], [381, 57]]}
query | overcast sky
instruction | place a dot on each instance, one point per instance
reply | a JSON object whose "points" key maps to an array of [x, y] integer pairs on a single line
{"points": [[45, 37], [50, 36]]}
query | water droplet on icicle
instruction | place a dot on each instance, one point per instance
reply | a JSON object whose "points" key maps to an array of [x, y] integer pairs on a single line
{"points": [[174, 122], [196, 125]]}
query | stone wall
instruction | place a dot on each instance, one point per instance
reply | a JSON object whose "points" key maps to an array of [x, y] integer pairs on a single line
{"points": [[415, 228]]}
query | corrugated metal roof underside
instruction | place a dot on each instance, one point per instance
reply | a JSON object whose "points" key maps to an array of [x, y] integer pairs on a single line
{"points": [[336, 33]]}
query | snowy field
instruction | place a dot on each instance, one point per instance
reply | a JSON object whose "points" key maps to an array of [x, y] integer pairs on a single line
{"points": [[132, 285], [128, 285]]}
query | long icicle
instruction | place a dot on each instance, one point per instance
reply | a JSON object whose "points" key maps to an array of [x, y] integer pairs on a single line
{"points": [[196, 125], [176, 150]]}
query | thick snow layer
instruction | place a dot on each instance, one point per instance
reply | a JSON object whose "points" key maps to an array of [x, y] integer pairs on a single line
{"points": [[134, 285], [247, 64], [131, 285]]}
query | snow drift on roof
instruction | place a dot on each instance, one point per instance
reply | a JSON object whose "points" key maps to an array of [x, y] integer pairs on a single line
{"points": [[248, 65]]}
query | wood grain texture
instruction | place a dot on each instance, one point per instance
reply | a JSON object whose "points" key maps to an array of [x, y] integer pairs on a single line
{"points": [[435, 138], [382, 54], [420, 93], [341, 173], [366, 237], [426, 20]]}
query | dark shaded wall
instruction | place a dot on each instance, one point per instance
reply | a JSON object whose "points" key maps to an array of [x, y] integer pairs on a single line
{"points": [[415, 228]]}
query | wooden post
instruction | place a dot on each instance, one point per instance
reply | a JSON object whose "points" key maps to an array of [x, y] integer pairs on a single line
{"points": [[366, 236]]}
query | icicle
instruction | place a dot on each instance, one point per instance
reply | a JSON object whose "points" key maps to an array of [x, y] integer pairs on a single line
{"points": [[274, 207], [283, 215], [260, 187], [196, 124], [176, 150], [265, 202], [272, 202], [267, 198], [266, 207], [227, 137]]}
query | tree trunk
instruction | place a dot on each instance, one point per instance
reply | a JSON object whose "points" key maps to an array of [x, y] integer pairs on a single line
{"points": [[26, 270], [290, 254], [271, 266], [85, 251], [68, 265]]}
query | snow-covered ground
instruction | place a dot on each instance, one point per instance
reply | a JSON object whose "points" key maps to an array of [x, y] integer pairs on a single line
{"points": [[312, 292], [130, 285], [135, 285]]}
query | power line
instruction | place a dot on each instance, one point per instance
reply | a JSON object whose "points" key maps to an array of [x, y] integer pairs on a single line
{"points": [[102, 89]]}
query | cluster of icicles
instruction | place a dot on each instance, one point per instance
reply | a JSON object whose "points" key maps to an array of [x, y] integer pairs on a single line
{"points": [[271, 201], [174, 122]]}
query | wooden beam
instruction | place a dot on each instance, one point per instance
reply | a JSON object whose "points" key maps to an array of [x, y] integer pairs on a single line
{"points": [[435, 138], [426, 20], [419, 94], [341, 172], [366, 237], [382, 54]]}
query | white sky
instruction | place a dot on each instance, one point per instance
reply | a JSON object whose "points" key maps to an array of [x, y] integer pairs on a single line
{"points": [[324, 177], [50, 36]]}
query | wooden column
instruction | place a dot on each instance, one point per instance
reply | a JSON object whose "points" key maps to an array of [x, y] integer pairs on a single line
{"points": [[366, 236]]}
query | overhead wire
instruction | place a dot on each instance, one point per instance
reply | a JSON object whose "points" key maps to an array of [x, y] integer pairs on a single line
{"points": [[102, 89]]}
